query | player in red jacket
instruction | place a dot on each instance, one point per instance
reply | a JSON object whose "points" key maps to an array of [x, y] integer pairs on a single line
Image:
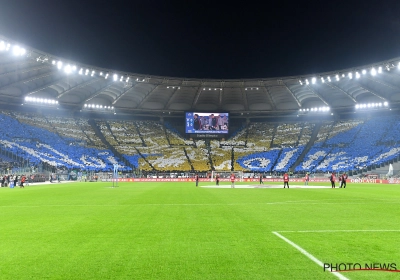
{"points": [[333, 179], [343, 179], [232, 180], [285, 180], [306, 179]]}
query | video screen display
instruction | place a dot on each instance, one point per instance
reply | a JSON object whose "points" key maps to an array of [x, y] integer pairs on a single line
{"points": [[214, 123]]}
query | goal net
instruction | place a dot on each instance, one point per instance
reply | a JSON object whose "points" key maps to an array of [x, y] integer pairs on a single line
{"points": [[226, 175]]}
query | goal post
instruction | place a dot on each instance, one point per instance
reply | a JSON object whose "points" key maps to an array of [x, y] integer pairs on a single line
{"points": [[227, 175]]}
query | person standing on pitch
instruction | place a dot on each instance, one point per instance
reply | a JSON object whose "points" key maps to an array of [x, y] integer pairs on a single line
{"points": [[196, 177], [306, 179], [232, 180], [333, 179], [285, 180], [261, 179], [343, 179], [217, 179]]}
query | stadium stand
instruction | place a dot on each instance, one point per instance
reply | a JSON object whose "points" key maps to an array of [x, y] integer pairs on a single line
{"points": [[72, 142]]}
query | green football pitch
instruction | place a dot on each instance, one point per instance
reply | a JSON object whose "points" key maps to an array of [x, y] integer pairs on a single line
{"points": [[178, 231]]}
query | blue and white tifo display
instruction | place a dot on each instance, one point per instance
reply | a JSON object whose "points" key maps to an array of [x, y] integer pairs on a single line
{"points": [[213, 123]]}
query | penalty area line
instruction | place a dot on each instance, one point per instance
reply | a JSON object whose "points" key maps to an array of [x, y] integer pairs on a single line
{"points": [[308, 255]]}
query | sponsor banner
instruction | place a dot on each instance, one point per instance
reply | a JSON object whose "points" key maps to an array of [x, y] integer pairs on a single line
{"points": [[255, 180]]}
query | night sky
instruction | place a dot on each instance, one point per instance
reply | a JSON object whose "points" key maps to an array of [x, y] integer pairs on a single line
{"points": [[208, 39]]}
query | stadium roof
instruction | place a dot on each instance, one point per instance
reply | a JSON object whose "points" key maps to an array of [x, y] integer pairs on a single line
{"points": [[27, 74]]}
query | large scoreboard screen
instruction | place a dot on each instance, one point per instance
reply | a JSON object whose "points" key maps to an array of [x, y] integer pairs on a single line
{"points": [[210, 122]]}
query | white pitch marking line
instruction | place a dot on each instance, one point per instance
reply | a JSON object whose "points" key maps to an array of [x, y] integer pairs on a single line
{"points": [[308, 255], [342, 230]]}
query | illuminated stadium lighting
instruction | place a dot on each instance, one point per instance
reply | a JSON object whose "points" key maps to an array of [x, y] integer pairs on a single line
{"points": [[2, 46], [373, 71], [53, 62], [122, 77], [371, 105], [337, 77], [101, 73], [313, 80], [29, 99], [80, 71], [59, 64], [8, 47], [74, 68], [301, 83], [115, 77], [18, 51], [357, 75], [350, 75], [67, 69], [329, 79], [316, 109], [127, 79], [380, 69], [106, 77], [93, 72], [398, 66], [343, 76], [322, 80], [307, 83], [98, 107], [364, 72]]}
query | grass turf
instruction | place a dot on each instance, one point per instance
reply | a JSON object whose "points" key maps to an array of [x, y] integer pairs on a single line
{"points": [[178, 231]]}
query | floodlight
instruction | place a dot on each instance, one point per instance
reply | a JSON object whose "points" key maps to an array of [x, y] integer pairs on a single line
{"points": [[101, 106], [357, 106], [80, 71], [2, 46], [85, 105], [16, 50], [127, 79], [301, 83], [373, 71], [357, 75], [67, 69], [337, 77], [380, 69], [308, 109], [59, 64], [380, 104], [115, 77], [307, 82], [329, 78], [350, 75], [385, 104], [322, 80], [364, 72], [313, 80], [97, 106], [74, 68]]}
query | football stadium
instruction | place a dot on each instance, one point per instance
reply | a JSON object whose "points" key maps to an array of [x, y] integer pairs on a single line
{"points": [[108, 174]]}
